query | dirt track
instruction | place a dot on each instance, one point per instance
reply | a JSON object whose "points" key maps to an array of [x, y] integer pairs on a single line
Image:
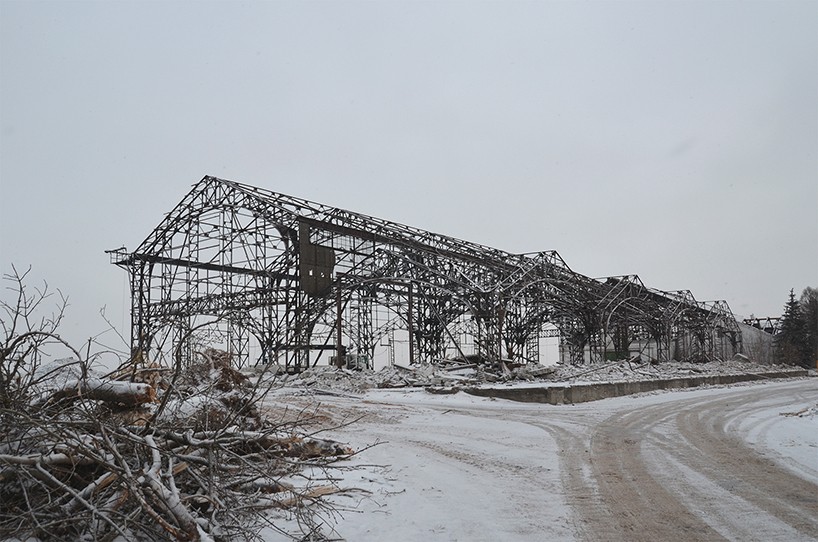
{"points": [[668, 467], [674, 472]]}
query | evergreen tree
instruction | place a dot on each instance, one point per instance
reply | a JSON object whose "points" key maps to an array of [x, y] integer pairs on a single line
{"points": [[809, 322], [789, 341]]}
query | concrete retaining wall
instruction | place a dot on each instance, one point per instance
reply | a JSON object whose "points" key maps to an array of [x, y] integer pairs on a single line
{"points": [[581, 393]]}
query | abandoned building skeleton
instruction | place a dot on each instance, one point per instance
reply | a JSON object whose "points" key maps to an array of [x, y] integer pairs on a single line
{"points": [[303, 278]]}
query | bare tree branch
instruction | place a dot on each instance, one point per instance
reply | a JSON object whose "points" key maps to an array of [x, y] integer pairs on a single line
{"points": [[99, 458]]}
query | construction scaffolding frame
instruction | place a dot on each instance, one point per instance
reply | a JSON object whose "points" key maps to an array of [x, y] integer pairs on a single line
{"points": [[298, 281]]}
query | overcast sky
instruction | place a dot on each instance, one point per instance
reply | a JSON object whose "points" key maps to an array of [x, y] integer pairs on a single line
{"points": [[673, 140]]}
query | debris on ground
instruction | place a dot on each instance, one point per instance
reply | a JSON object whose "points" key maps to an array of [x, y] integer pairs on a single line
{"points": [[461, 373], [808, 412]]}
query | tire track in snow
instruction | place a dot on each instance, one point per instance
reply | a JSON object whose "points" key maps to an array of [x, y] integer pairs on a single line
{"points": [[659, 472], [752, 476], [667, 468], [580, 493], [692, 440], [642, 508]]}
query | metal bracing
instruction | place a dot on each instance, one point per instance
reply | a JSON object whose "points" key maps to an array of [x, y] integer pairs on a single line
{"points": [[292, 281], [770, 324]]}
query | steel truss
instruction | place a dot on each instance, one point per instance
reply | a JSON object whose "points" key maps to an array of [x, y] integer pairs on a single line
{"points": [[770, 324], [305, 280]]}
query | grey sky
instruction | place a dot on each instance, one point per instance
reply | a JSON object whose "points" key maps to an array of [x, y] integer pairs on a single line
{"points": [[674, 140]]}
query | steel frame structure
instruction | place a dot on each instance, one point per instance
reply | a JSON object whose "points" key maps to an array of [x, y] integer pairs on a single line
{"points": [[770, 324], [302, 278]]}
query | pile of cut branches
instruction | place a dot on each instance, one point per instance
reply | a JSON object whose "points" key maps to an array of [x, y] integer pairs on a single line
{"points": [[100, 458], [149, 452]]}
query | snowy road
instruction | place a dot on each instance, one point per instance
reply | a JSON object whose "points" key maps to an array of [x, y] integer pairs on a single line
{"points": [[711, 464]]}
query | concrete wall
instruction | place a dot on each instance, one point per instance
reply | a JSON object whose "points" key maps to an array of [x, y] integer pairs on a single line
{"points": [[582, 393]]}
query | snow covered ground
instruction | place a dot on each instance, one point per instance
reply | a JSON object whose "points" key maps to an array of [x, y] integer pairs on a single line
{"points": [[788, 433], [736, 463]]}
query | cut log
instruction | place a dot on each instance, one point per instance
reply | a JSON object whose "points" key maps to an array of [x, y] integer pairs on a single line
{"points": [[128, 394]]}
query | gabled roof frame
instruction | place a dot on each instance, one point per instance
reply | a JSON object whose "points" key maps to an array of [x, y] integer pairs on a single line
{"points": [[236, 252]]}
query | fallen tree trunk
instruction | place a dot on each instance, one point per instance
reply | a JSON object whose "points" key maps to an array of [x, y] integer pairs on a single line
{"points": [[128, 394]]}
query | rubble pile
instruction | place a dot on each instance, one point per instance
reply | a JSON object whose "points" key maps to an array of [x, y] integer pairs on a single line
{"points": [[636, 369], [458, 374], [330, 378]]}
